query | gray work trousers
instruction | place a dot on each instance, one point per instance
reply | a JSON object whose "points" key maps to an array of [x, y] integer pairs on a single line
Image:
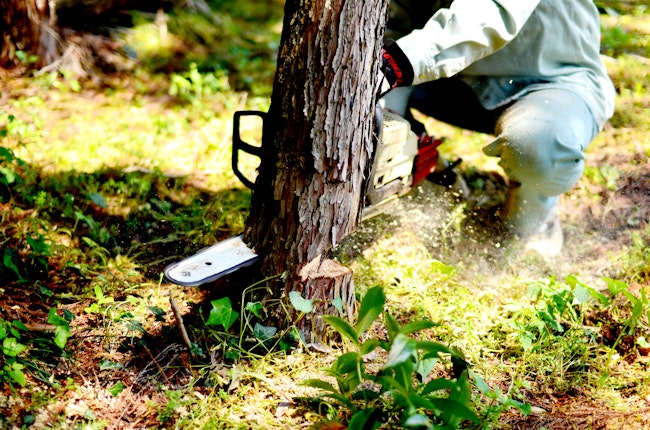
{"points": [[541, 137]]}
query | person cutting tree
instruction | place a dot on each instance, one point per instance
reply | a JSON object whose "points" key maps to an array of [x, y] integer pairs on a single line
{"points": [[528, 72]]}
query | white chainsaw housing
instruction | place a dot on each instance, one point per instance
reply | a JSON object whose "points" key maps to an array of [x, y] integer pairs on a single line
{"points": [[396, 151]]}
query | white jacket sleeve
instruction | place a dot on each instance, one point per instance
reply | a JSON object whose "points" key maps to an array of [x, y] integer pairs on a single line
{"points": [[468, 31]]}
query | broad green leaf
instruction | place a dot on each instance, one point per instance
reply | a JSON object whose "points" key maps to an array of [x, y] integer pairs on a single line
{"points": [[318, 383], [442, 268], [300, 303], [392, 326], [117, 389], [349, 384], [101, 298], [8, 262], [615, 286], [580, 295], [255, 308], [11, 347], [17, 376], [342, 327], [365, 395], [425, 366], [481, 385], [524, 408], [416, 326], [637, 312], [222, 313], [404, 376], [461, 394], [389, 383], [9, 175], [526, 338], [98, 199], [61, 336], [80, 216], [346, 363], [369, 346], [642, 342], [372, 305], [39, 245], [135, 325], [455, 409], [432, 349], [264, 333], [158, 313], [62, 328], [418, 421], [437, 385], [107, 364], [46, 291], [603, 299], [363, 420], [401, 351], [7, 153], [631, 297]]}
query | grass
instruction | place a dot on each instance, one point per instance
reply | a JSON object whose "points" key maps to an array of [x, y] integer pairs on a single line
{"points": [[106, 179]]}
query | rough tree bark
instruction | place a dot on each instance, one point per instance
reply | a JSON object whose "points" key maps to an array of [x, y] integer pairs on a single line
{"points": [[317, 145], [27, 26]]}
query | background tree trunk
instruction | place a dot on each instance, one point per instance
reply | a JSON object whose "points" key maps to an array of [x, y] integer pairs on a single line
{"points": [[30, 27], [317, 145], [35, 26]]}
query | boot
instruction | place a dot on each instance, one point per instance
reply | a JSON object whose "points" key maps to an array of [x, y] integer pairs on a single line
{"points": [[548, 239], [524, 218]]}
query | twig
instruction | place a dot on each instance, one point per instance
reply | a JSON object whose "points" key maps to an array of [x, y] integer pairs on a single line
{"points": [[160, 369], [179, 321]]}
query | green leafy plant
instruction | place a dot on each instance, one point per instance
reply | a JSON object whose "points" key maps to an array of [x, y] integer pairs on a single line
{"points": [[554, 308], [497, 402], [401, 386], [253, 337], [628, 315], [9, 163], [222, 313], [28, 259], [192, 85], [12, 348], [101, 301], [61, 328], [21, 352]]}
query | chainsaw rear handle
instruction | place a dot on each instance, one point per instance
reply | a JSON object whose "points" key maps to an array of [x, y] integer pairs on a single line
{"points": [[239, 145]]}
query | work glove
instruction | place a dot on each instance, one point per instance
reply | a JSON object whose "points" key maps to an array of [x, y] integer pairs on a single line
{"points": [[396, 69]]}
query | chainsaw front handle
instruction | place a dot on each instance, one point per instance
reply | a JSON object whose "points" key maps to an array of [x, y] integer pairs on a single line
{"points": [[239, 145]]}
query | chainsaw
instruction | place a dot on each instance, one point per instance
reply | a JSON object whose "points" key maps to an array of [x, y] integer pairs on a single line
{"points": [[401, 161]]}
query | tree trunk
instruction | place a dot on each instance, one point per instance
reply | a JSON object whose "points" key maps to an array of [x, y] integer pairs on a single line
{"points": [[317, 146], [28, 27]]}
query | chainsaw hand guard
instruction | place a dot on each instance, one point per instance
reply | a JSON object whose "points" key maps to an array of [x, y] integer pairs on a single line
{"points": [[239, 145]]}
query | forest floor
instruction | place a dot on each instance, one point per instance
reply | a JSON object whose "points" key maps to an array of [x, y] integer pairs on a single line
{"points": [[107, 178]]}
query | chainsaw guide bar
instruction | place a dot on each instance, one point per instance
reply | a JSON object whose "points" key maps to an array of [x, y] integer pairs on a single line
{"points": [[211, 263]]}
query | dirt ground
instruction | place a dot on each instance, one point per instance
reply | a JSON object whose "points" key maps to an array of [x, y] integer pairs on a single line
{"points": [[594, 233]]}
